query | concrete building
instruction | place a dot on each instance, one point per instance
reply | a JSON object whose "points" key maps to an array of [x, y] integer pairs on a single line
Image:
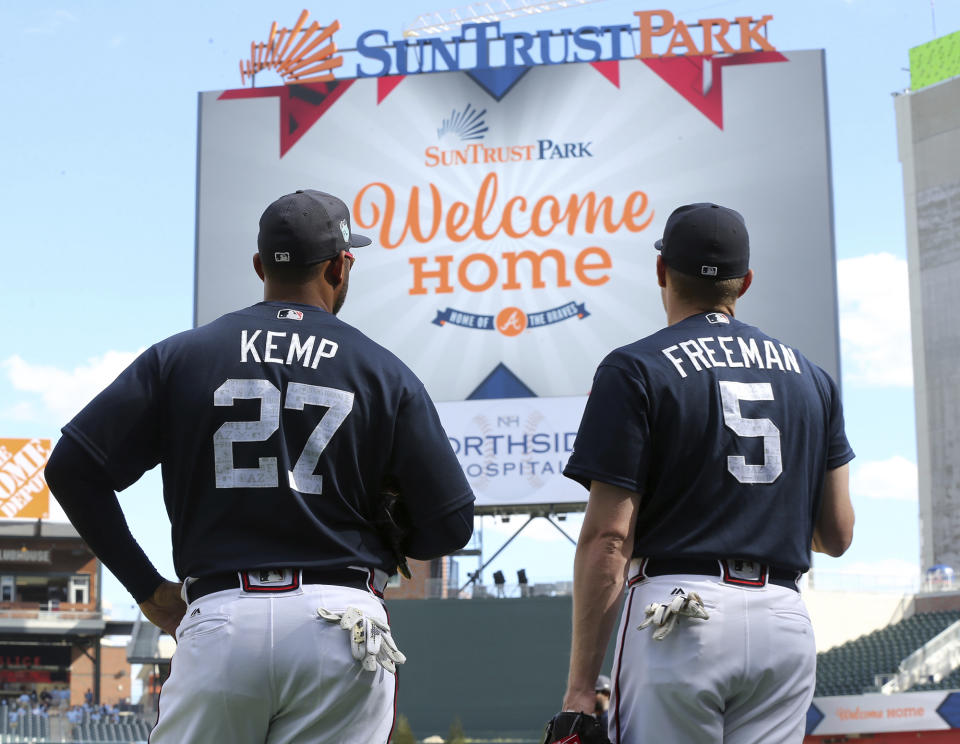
{"points": [[928, 130]]}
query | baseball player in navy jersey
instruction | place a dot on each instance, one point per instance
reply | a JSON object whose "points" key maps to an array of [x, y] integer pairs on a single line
{"points": [[277, 428], [716, 459]]}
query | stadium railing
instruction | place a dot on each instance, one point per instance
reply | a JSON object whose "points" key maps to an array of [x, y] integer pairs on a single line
{"points": [[937, 658]]}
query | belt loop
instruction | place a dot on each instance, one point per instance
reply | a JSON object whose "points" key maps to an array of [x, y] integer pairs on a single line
{"points": [[641, 566], [185, 589], [378, 581]]}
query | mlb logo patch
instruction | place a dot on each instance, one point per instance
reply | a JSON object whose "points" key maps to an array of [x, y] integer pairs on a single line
{"points": [[270, 580], [273, 576], [745, 570], [290, 314], [717, 318], [345, 231], [281, 257], [708, 270]]}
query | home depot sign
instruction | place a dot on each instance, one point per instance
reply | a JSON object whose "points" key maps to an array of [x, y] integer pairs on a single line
{"points": [[23, 490]]}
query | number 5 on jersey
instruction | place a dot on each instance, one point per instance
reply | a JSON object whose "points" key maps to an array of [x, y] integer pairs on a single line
{"points": [[338, 403], [731, 393]]}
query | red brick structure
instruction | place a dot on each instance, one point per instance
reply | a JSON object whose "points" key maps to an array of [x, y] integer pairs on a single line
{"points": [[51, 624]]}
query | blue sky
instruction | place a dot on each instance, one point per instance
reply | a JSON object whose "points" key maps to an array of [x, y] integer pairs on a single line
{"points": [[97, 197]]}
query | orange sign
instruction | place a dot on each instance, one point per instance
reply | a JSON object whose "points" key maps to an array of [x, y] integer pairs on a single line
{"points": [[511, 321], [295, 60], [714, 35], [297, 55], [23, 490], [484, 219]]}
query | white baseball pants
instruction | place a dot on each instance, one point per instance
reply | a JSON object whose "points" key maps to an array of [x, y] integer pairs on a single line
{"points": [[745, 676], [265, 669]]}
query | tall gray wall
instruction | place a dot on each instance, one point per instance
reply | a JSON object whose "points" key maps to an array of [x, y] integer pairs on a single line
{"points": [[500, 665], [928, 127]]}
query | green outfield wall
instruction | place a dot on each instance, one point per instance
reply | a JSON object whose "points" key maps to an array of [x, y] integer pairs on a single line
{"points": [[499, 665]]}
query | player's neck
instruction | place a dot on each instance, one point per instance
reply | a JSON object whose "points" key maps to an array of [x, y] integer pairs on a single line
{"points": [[307, 294], [677, 311]]}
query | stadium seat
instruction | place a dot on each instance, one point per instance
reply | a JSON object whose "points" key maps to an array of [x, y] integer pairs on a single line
{"points": [[850, 669], [144, 728]]}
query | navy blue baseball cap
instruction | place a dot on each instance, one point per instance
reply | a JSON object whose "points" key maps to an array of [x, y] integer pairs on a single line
{"points": [[706, 240], [304, 228]]}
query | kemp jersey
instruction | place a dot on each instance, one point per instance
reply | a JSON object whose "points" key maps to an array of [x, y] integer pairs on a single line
{"points": [[725, 432], [276, 427]]}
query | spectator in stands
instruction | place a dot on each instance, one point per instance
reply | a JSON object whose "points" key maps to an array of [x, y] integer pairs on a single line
{"points": [[88, 696], [602, 688]]}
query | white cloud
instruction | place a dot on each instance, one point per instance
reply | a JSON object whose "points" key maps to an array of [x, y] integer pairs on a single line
{"points": [[875, 320], [19, 411], [52, 22], [537, 530], [894, 568], [64, 392], [885, 575], [894, 478]]}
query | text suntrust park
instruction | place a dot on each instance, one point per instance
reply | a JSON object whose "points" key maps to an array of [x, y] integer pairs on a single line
{"points": [[475, 153]]}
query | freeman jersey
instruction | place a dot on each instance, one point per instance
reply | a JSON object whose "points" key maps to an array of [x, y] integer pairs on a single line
{"points": [[725, 432], [276, 427]]}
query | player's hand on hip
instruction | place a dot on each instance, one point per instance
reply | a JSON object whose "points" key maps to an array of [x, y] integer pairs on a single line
{"points": [[165, 607]]}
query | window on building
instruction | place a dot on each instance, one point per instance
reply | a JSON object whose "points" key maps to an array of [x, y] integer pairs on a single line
{"points": [[79, 591], [32, 589]]}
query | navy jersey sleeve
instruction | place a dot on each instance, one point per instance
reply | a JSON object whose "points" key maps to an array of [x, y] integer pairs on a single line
{"points": [[120, 428], [87, 497], [839, 451], [612, 444], [428, 472]]}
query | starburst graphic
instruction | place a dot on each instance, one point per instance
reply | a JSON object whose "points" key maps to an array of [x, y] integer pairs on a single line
{"points": [[294, 53], [468, 124]]}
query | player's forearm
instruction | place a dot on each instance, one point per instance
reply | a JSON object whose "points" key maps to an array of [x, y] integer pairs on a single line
{"points": [[833, 531], [599, 572]]}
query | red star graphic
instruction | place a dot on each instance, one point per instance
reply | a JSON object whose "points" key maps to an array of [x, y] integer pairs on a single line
{"points": [[685, 75], [300, 105]]}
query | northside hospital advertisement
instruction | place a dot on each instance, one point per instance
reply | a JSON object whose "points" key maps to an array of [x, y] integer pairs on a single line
{"points": [[513, 212]]}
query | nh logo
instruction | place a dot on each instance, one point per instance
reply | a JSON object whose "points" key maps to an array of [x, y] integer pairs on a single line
{"points": [[508, 421]]}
